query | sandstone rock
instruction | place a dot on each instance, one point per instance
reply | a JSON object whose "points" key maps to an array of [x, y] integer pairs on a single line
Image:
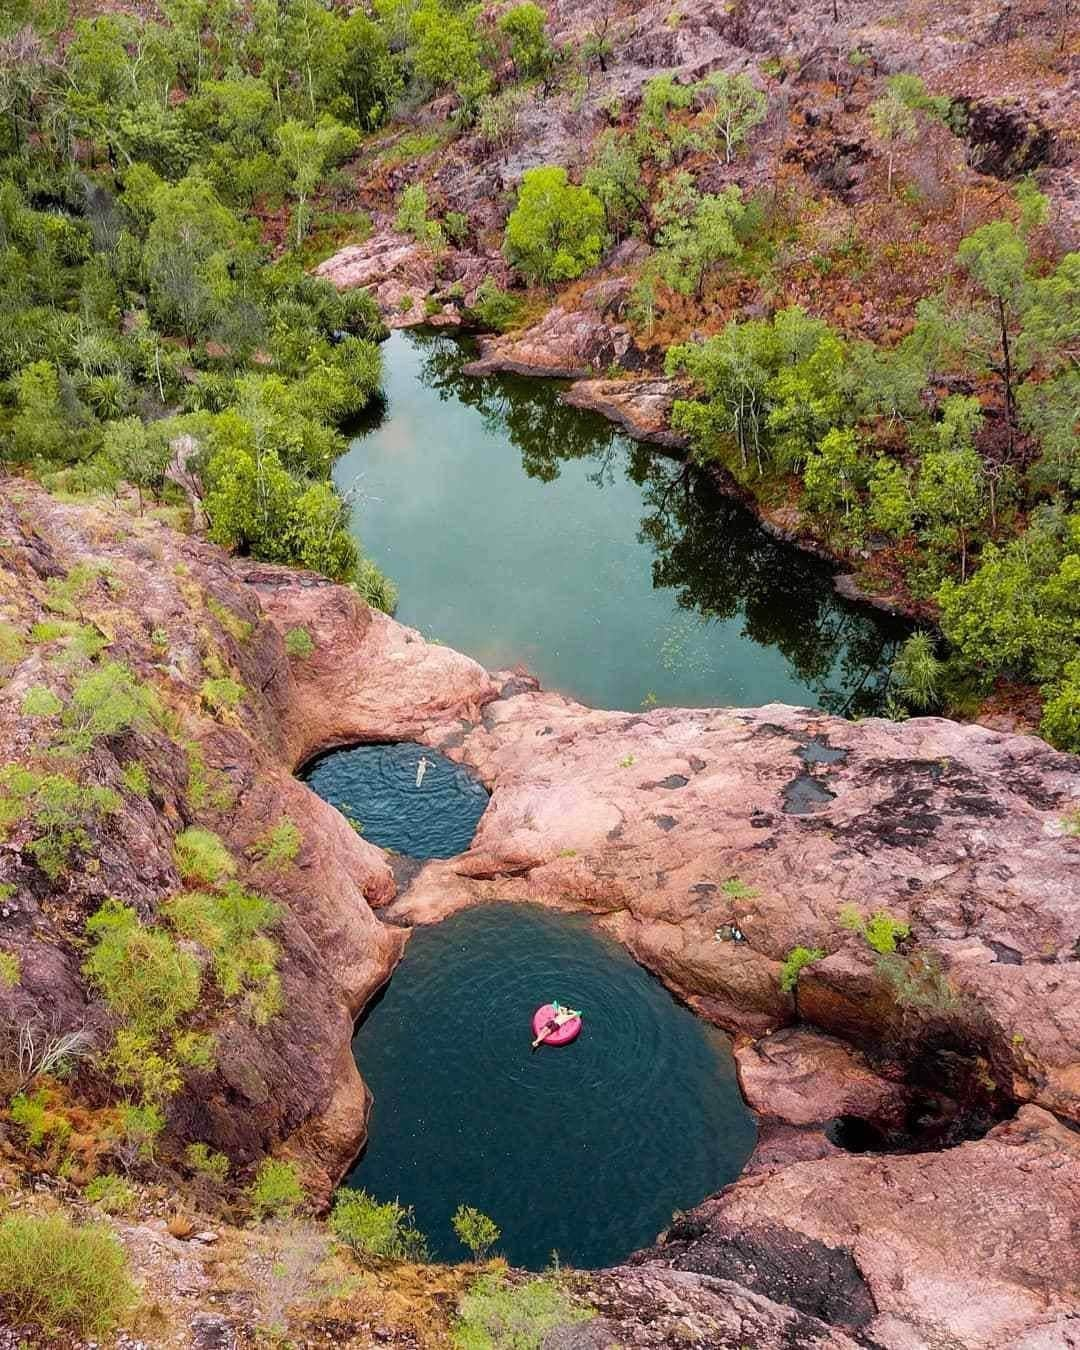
{"points": [[641, 407], [973, 1247], [805, 1078], [564, 344]]}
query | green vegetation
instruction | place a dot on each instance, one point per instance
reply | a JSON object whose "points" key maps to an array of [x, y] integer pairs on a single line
{"points": [[279, 846], [556, 230], [222, 695], [57, 812], [136, 779], [475, 1231], [795, 963], [201, 857], [58, 1277], [141, 972], [113, 1194], [497, 1315], [299, 644], [144, 313], [231, 925], [38, 1123], [205, 1162], [276, 1191], [40, 701], [370, 1229], [10, 970], [880, 930]]}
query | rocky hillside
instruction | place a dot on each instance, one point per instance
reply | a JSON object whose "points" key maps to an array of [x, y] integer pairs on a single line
{"points": [[885, 914]]}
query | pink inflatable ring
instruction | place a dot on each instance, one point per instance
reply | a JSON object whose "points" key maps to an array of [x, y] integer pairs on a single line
{"points": [[563, 1035]]}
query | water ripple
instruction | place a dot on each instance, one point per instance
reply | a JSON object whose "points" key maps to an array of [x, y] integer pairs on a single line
{"points": [[375, 786], [586, 1148]]}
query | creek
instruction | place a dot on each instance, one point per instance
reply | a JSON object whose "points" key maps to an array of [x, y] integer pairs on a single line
{"points": [[524, 531]]}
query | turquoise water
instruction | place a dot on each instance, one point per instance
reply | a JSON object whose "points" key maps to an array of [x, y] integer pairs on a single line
{"points": [[522, 531], [585, 1149], [376, 787]]}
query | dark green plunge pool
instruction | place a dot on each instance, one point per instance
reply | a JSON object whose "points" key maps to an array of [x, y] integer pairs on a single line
{"points": [[586, 1149], [522, 531]]}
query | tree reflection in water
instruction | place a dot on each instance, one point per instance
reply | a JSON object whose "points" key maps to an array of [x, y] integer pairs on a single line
{"points": [[709, 551]]}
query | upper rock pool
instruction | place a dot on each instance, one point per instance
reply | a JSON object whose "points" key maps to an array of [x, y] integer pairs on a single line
{"points": [[520, 530], [586, 1149]]}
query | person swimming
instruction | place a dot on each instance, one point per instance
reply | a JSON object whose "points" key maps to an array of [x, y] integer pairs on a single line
{"points": [[422, 769]]}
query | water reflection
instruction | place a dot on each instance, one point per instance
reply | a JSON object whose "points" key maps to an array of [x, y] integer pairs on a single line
{"points": [[615, 572]]}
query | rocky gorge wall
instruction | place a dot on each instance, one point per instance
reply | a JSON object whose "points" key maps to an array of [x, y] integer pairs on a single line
{"points": [[711, 842]]}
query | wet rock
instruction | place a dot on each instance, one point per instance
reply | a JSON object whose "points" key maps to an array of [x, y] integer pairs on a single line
{"points": [[641, 407]]}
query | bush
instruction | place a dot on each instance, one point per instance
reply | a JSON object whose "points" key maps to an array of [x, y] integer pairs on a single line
{"points": [[881, 931], [556, 230], [141, 972], [498, 1316], [475, 1230], [276, 1190], [279, 845], [60, 1277], [200, 856], [33, 1116], [10, 970], [370, 1228], [40, 701], [113, 1194], [375, 587], [58, 809], [231, 925], [106, 702], [298, 643], [224, 695], [492, 307], [796, 962], [206, 1163]]}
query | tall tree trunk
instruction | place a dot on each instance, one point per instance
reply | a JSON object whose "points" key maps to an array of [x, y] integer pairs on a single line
{"points": [[1006, 372]]}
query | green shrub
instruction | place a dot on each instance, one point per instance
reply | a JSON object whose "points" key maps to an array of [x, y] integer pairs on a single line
{"points": [[373, 1229], [475, 1230], [495, 1315], [375, 587], [737, 889], [224, 695], [33, 1116], [298, 643], [495, 308], [141, 972], [136, 779], [234, 625], [59, 1277], [201, 857], [40, 701], [556, 230], [58, 810], [795, 963], [105, 702], [206, 1163], [12, 647], [10, 970], [881, 931], [195, 1049], [231, 924], [279, 845], [140, 1127], [112, 1193], [276, 1190]]}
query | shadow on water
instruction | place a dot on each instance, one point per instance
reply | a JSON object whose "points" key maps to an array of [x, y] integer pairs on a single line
{"points": [[523, 530], [587, 1149]]}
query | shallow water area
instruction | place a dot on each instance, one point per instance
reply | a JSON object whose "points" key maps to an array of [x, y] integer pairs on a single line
{"points": [[520, 530], [585, 1149], [380, 788]]}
